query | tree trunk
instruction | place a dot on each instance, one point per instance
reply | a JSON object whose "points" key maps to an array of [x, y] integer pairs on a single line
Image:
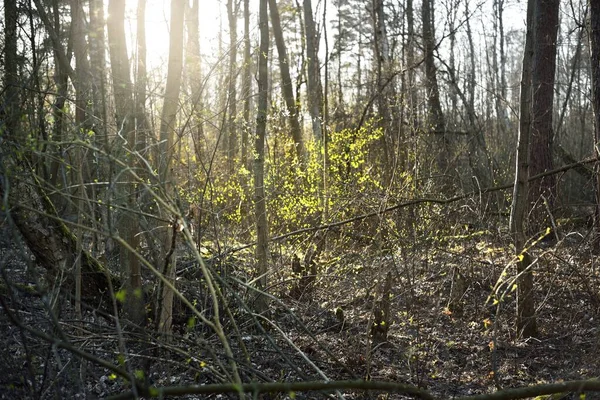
{"points": [[594, 39], [545, 30], [232, 13], [167, 138], [11, 94], [260, 207], [141, 124], [315, 91], [435, 118], [526, 321], [194, 71], [286, 83], [384, 92], [246, 83], [124, 109]]}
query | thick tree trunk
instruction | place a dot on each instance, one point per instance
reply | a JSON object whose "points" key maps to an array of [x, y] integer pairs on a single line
{"points": [[545, 23], [8, 113], [594, 39], [54, 245]]}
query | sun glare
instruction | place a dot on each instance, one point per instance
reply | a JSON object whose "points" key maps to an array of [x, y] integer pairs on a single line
{"points": [[157, 28]]}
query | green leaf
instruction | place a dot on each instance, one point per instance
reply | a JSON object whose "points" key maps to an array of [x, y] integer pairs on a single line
{"points": [[121, 295]]}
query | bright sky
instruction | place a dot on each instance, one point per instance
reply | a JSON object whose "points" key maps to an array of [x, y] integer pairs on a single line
{"points": [[157, 27]]}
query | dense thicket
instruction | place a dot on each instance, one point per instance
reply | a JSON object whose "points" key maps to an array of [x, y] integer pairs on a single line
{"points": [[371, 164]]}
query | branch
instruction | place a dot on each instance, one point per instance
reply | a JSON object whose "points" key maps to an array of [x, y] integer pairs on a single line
{"points": [[590, 385], [423, 200], [278, 387]]}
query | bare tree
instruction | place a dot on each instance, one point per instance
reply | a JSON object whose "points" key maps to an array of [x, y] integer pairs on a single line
{"points": [[232, 15], [436, 121], [246, 83], [286, 83], [594, 39], [260, 206], [123, 94], [543, 68], [167, 141], [315, 90]]}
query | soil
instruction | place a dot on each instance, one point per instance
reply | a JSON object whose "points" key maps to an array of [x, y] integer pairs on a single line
{"points": [[451, 325]]}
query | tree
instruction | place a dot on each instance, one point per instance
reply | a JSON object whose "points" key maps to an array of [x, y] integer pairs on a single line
{"points": [[10, 98], [533, 149], [167, 141], [246, 83], [260, 207], [315, 90], [384, 92], [594, 39], [435, 115], [542, 192], [232, 15], [194, 72], [526, 323], [286, 83]]}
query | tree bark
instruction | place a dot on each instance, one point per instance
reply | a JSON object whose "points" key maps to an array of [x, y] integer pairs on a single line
{"points": [[11, 94], [594, 40], [437, 124], [232, 14], [526, 321], [384, 91], [286, 83], [167, 138], [542, 81], [124, 114], [315, 91], [246, 83], [260, 207]]}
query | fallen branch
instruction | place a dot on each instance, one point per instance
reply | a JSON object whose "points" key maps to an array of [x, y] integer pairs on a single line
{"points": [[580, 386]]}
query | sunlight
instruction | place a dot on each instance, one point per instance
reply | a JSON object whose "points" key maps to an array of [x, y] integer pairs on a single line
{"points": [[157, 28]]}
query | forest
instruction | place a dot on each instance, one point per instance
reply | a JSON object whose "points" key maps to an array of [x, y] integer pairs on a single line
{"points": [[300, 199]]}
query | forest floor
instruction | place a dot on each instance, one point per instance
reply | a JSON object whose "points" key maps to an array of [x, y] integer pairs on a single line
{"points": [[450, 345]]}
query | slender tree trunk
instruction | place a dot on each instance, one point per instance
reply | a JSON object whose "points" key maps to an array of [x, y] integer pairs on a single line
{"points": [[141, 78], [526, 321], [260, 207], [286, 83], [384, 93], [98, 69], [167, 138], [246, 83], [124, 112], [82, 75], [193, 68], [413, 118], [437, 124], [232, 14], [315, 91]]}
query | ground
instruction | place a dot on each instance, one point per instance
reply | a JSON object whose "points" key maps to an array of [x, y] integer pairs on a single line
{"points": [[449, 333]]}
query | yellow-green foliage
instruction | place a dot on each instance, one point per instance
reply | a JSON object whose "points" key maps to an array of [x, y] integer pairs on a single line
{"points": [[296, 195]]}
